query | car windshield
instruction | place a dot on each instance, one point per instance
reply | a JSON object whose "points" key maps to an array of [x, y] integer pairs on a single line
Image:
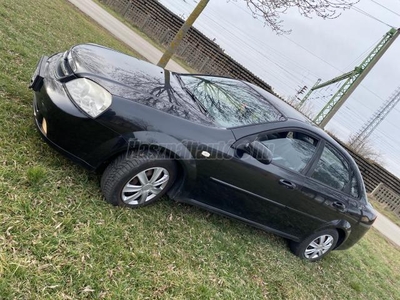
{"points": [[230, 102]]}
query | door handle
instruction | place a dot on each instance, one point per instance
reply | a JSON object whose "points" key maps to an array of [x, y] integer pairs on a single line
{"points": [[287, 183], [339, 205]]}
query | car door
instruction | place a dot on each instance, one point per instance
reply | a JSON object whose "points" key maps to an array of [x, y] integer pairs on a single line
{"points": [[265, 194], [333, 183]]}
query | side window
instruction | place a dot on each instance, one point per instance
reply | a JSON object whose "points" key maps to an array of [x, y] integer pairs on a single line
{"points": [[333, 170], [354, 187], [292, 150]]}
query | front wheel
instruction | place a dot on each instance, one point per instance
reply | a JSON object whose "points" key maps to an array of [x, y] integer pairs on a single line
{"points": [[138, 178], [316, 246]]}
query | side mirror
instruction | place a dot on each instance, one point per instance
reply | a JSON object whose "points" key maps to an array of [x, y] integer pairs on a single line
{"points": [[260, 152]]}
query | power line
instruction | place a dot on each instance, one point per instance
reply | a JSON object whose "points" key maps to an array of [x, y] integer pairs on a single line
{"points": [[375, 94], [260, 41], [305, 49], [388, 9], [359, 10], [288, 73], [277, 52], [302, 47], [363, 12], [364, 53]]}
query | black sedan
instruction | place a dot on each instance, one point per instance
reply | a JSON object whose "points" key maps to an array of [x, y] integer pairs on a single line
{"points": [[221, 144]]}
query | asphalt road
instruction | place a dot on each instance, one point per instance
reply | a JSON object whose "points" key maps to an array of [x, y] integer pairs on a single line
{"points": [[136, 42], [124, 33]]}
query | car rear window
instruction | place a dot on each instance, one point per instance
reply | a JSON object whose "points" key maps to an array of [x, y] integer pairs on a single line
{"points": [[230, 102]]}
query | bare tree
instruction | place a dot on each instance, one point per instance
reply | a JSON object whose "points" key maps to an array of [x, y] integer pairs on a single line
{"points": [[365, 148], [270, 12], [307, 109]]}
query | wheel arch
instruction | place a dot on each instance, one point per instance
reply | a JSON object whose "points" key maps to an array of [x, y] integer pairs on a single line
{"points": [[342, 236], [343, 227], [158, 142]]}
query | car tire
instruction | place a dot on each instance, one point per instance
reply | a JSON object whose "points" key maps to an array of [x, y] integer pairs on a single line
{"points": [[315, 246], [138, 178]]}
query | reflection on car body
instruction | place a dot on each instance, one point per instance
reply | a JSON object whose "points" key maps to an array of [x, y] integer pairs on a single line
{"points": [[222, 144]]}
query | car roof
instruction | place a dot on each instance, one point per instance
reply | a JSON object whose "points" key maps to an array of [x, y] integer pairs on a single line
{"points": [[294, 118], [298, 119]]}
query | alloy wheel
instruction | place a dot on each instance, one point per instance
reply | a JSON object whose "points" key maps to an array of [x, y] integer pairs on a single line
{"points": [[145, 185], [319, 246]]}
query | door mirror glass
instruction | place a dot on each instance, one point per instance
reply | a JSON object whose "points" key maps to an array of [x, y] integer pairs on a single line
{"points": [[260, 152]]}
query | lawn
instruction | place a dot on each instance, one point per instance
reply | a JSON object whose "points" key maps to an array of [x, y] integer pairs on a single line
{"points": [[149, 39], [60, 240], [383, 209]]}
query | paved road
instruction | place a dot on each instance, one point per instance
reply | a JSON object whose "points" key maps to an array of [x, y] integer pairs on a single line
{"points": [[388, 228], [124, 33]]}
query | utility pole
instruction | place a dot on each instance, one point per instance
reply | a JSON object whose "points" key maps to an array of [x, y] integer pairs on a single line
{"points": [[375, 120], [181, 33], [353, 79], [309, 93]]}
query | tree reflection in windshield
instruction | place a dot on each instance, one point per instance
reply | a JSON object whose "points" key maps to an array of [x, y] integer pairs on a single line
{"points": [[230, 102]]}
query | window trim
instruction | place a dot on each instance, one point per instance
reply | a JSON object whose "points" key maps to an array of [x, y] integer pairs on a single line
{"points": [[317, 153]]}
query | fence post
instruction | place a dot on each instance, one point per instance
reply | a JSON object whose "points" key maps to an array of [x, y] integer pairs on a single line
{"points": [[397, 210], [183, 47], [127, 6], [164, 35], [377, 189], [146, 21], [203, 65]]}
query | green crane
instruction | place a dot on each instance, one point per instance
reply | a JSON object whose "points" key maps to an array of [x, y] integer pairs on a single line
{"points": [[353, 79]]}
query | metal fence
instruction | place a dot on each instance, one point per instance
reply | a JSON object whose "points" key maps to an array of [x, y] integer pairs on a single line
{"points": [[388, 197], [198, 51]]}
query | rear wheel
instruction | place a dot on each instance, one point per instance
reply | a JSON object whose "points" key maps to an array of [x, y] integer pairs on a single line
{"points": [[316, 246], [138, 178]]}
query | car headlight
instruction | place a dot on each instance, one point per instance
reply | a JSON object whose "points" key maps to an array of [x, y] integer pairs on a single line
{"points": [[89, 96]]}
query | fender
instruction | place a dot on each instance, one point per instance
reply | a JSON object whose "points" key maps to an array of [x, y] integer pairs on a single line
{"points": [[160, 142], [166, 143], [343, 225]]}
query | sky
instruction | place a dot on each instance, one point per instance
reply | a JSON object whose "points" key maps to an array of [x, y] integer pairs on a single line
{"points": [[316, 48]]}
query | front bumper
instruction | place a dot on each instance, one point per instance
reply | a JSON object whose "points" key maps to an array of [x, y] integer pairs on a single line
{"points": [[64, 126]]}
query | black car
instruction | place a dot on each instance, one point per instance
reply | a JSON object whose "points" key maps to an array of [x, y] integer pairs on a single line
{"points": [[224, 145]]}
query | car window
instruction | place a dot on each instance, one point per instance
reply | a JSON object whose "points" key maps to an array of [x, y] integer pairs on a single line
{"points": [[230, 102], [354, 187], [333, 170], [291, 150]]}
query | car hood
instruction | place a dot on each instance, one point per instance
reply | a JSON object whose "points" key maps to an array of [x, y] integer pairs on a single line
{"points": [[128, 77]]}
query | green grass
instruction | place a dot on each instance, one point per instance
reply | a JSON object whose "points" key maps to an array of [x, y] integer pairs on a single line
{"points": [[384, 210], [60, 240], [151, 40]]}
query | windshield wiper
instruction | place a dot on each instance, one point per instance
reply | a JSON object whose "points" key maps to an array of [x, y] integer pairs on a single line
{"points": [[200, 105]]}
